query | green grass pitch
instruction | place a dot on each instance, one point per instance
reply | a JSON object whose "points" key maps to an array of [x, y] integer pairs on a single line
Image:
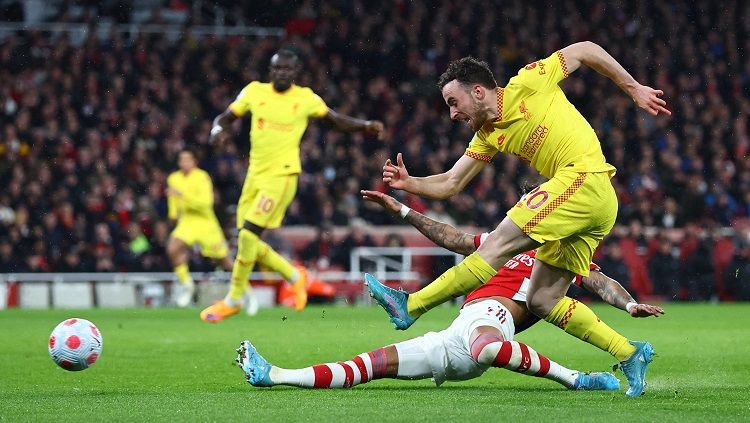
{"points": [[167, 365]]}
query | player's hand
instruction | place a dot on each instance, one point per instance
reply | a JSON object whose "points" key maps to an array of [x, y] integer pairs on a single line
{"points": [[217, 137], [650, 100], [375, 127], [395, 175], [171, 192], [386, 201], [646, 310]]}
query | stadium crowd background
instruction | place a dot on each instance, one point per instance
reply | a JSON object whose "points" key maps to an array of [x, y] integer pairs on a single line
{"points": [[90, 128]]}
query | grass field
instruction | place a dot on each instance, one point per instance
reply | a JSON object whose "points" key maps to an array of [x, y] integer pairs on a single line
{"points": [[166, 365]]}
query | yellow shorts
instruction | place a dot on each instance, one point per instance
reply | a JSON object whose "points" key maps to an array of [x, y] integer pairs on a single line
{"points": [[264, 200], [569, 214], [207, 233]]}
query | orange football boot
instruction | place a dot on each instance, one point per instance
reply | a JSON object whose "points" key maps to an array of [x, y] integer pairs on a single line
{"points": [[218, 311], [300, 289]]}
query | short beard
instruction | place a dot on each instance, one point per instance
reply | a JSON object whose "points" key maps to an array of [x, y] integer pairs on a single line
{"points": [[281, 88]]}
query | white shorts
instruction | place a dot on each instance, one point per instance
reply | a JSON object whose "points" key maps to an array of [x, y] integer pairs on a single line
{"points": [[449, 351]]}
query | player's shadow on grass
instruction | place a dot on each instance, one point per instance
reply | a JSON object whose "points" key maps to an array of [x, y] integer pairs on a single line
{"points": [[408, 388]]}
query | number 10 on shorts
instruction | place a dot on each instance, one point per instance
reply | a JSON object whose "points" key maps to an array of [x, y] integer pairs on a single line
{"points": [[265, 205]]}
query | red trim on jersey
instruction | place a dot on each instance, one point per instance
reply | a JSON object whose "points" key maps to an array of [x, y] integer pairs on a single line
{"points": [[477, 156], [593, 267], [563, 64], [477, 240], [323, 376]]}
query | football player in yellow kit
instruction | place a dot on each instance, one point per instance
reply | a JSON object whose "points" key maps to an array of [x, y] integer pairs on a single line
{"points": [[565, 218], [190, 201], [280, 112]]}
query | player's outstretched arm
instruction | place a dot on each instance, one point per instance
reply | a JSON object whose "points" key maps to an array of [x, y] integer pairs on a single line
{"points": [[440, 186], [595, 57], [346, 123], [221, 124], [440, 233], [612, 292]]}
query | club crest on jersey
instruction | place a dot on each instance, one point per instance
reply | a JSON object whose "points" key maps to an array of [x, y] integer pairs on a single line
{"points": [[295, 107], [501, 139], [524, 110]]}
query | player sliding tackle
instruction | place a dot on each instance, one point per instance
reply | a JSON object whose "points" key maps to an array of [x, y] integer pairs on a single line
{"points": [[565, 217], [481, 337], [517, 271]]}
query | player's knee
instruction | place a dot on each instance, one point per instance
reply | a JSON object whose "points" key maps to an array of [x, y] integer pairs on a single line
{"points": [[246, 236], [173, 249], [504, 242], [539, 304], [485, 347]]}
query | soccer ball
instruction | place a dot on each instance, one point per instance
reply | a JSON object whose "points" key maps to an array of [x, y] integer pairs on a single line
{"points": [[75, 344]]}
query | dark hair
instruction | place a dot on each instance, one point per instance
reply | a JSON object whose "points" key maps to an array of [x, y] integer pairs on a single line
{"points": [[188, 150], [468, 70], [287, 53]]}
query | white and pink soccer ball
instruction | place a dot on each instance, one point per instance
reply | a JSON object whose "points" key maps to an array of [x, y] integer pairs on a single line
{"points": [[75, 344]]}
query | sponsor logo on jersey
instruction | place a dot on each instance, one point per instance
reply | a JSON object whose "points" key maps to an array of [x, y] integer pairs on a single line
{"points": [[542, 71]]}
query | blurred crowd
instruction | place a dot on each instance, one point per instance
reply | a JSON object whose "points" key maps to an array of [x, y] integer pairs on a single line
{"points": [[89, 130]]}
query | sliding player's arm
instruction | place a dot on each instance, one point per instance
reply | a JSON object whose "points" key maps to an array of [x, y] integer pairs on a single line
{"points": [[440, 233], [595, 57], [440, 186], [346, 123], [613, 293]]}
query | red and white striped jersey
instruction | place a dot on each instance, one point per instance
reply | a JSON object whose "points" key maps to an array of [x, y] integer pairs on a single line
{"points": [[512, 280]]}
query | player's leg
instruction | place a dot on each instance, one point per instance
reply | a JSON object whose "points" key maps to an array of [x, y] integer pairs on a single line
{"points": [[243, 265], [570, 315], [490, 348], [297, 275], [267, 211], [503, 243], [405, 360], [558, 260], [178, 253]]}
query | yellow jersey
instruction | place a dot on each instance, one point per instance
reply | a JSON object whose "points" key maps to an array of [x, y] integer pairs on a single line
{"points": [[278, 122], [197, 200], [537, 123]]}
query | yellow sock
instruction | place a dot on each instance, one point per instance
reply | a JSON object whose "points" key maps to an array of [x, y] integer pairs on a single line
{"points": [[183, 273], [472, 272], [580, 321], [269, 258], [247, 250]]}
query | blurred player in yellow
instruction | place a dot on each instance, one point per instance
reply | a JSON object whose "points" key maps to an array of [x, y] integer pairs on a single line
{"points": [[190, 198], [565, 217], [280, 112]]}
